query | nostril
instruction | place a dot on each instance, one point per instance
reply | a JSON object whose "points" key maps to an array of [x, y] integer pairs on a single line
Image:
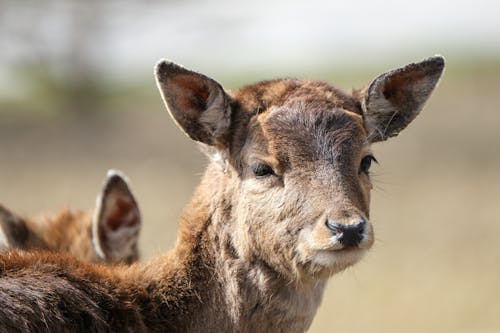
{"points": [[352, 235], [361, 227], [335, 227]]}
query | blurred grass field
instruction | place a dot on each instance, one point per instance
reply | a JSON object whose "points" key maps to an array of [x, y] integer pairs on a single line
{"points": [[435, 265]]}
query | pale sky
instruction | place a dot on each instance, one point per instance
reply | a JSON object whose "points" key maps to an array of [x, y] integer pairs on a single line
{"points": [[128, 36]]}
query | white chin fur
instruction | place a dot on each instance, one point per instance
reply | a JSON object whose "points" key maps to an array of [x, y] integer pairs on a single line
{"points": [[338, 258]]}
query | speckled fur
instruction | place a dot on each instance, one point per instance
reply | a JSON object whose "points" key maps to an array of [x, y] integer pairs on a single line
{"points": [[252, 254]]}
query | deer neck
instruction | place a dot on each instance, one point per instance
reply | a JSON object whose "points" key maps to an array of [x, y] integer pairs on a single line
{"points": [[231, 292], [258, 300]]}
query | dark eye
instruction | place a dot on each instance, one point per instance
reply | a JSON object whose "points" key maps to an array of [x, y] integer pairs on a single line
{"points": [[261, 170], [366, 163]]}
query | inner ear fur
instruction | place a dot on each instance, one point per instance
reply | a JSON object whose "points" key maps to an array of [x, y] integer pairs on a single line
{"points": [[117, 216], [395, 98], [198, 104]]}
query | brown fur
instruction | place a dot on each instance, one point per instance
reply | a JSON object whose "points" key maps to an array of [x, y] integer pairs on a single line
{"points": [[67, 231], [115, 228], [254, 249]]}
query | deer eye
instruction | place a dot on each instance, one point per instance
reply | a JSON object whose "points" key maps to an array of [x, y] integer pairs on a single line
{"points": [[366, 163], [261, 170]]}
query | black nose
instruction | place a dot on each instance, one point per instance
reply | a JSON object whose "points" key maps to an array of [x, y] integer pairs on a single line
{"points": [[349, 235]]}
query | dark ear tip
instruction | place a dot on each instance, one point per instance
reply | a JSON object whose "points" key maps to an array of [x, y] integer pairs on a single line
{"points": [[6, 214], [165, 67], [438, 58], [116, 175], [436, 62], [115, 179], [4, 211], [161, 66]]}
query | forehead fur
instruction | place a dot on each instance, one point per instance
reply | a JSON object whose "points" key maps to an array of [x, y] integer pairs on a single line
{"points": [[264, 95], [311, 134], [311, 119]]}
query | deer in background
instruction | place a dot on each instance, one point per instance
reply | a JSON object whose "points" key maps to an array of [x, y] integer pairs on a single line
{"points": [[110, 235], [283, 205]]}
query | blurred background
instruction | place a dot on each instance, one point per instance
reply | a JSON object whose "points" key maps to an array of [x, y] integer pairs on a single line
{"points": [[77, 97]]}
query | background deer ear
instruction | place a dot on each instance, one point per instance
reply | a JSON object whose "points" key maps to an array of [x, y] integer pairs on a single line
{"points": [[117, 220], [198, 104], [395, 98], [13, 230]]}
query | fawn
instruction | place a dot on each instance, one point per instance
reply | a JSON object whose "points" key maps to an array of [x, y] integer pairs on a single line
{"points": [[110, 235], [283, 205]]}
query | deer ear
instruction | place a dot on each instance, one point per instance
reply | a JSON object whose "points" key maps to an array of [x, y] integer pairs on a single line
{"points": [[13, 230], [395, 98], [117, 220], [198, 104]]}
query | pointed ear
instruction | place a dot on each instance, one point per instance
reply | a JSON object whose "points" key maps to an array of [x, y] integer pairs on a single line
{"points": [[13, 230], [198, 104], [117, 220], [395, 98]]}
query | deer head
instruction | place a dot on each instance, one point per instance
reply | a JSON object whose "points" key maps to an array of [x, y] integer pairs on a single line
{"points": [[111, 235], [289, 182]]}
